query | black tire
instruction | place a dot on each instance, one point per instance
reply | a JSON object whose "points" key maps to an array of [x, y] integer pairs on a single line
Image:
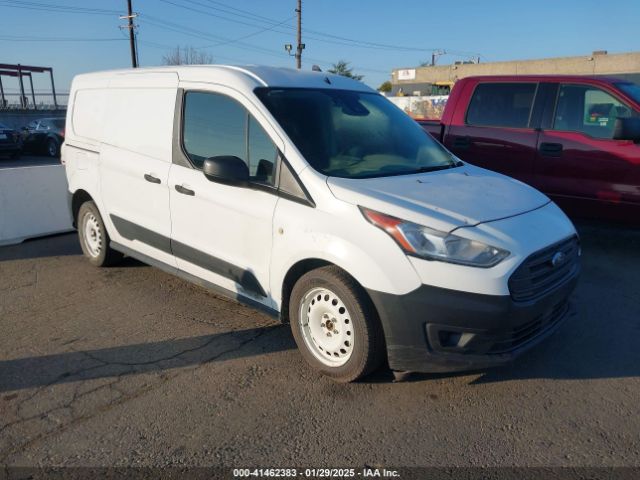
{"points": [[104, 255], [368, 338], [17, 154], [53, 148]]}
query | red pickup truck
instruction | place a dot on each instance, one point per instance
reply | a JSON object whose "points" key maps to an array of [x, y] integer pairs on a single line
{"points": [[575, 138]]}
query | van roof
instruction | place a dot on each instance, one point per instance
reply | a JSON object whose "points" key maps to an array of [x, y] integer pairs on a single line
{"points": [[250, 76]]}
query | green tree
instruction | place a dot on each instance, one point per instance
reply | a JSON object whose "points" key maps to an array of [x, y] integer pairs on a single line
{"points": [[342, 68], [385, 87]]}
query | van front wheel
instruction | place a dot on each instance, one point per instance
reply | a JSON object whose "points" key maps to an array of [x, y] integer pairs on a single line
{"points": [[94, 238], [335, 325]]}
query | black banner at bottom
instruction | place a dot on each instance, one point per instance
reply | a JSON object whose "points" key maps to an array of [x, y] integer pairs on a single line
{"points": [[407, 473]]}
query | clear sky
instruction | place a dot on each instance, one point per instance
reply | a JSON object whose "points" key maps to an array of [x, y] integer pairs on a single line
{"points": [[75, 36]]}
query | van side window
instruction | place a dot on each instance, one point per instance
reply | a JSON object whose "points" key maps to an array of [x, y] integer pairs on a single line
{"points": [[215, 125], [589, 110], [262, 153], [501, 105]]}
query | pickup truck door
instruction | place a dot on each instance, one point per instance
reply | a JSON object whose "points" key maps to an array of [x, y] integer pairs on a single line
{"points": [[578, 163], [495, 132]]}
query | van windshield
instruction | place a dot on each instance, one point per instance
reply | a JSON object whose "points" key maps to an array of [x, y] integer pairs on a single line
{"points": [[354, 134]]}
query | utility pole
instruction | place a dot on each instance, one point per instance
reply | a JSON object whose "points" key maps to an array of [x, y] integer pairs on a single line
{"points": [[300, 46], [132, 34], [434, 56]]}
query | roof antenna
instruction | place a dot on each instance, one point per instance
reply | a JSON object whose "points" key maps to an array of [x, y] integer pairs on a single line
{"points": [[316, 68], [326, 80]]}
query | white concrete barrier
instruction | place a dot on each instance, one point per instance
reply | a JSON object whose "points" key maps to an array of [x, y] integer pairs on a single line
{"points": [[33, 202]]}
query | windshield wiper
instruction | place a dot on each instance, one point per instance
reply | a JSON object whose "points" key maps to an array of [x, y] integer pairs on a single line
{"points": [[435, 168]]}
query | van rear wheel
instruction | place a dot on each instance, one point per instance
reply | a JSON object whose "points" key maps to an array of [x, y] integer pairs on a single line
{"points": [[335, 325], [94, 238]]}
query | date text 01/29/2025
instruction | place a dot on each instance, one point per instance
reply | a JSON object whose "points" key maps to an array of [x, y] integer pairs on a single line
{"points": [[314, 473]]}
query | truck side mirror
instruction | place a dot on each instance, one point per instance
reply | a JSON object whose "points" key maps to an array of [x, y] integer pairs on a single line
{"points": [[226, 169], [627, 129]]}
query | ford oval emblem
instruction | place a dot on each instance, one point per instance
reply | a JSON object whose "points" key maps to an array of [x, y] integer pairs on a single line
{"points": [[557, 259]]}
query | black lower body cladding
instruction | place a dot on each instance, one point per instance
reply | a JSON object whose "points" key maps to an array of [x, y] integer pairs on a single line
{"points": [[434, 329]]}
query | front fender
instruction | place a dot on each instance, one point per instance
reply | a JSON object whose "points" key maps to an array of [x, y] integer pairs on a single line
{"points": [[340, 235]]}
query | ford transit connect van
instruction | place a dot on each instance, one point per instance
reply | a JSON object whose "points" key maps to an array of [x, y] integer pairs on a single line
{"points": [[312, 197]]}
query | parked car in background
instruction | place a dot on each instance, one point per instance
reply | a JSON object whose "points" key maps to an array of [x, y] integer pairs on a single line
{"points": [[44, 136], [9, 142], [577, 139]]}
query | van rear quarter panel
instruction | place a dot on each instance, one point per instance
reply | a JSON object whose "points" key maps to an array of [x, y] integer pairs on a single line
{"points": [[141, 120], [130, 111]]}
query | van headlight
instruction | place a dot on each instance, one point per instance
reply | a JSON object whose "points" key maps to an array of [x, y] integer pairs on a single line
{"points": [[432, 244]]}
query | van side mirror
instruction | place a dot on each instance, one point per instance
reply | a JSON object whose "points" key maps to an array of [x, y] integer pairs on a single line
{"points": [[627, 129], [226, 169]]}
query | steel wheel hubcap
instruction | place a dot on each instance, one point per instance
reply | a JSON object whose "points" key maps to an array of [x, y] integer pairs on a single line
{"points": [[92, 234], [326, 327]]}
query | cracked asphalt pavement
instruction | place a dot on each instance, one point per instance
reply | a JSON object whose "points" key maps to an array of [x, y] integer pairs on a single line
{"points": [[130, 366]]}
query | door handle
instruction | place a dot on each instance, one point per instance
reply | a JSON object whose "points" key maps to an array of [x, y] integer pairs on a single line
{"points": [[550, 149], [185, 190], [461, 142], [150, 178]]}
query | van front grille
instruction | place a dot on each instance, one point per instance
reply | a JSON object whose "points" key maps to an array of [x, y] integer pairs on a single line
{"points": [[545, 270]]}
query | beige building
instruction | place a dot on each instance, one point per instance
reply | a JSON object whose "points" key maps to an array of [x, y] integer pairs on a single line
{"points": [[435, 79]]}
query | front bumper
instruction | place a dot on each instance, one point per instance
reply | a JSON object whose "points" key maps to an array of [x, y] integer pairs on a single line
{"points": [[438, 330]]}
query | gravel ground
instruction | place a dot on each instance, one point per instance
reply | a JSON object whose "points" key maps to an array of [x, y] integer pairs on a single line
{"points": [[130, 366]]}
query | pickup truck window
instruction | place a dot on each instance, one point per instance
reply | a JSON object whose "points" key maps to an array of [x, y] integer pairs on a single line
{"points": [[353, 134], [631, 89], [589, 110], [501, 105]]}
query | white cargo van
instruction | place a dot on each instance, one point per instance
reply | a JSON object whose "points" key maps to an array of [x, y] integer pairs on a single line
{"points": [[312, 197]]}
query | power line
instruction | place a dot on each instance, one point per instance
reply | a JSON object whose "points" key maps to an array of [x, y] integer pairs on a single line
{"points": [[244, 14], [271, 22], [252, 34], [333, 39], [273, 25], [47, 7], [162, 46], [254, 17], [189, 31], [14, 38], [230, 10]]}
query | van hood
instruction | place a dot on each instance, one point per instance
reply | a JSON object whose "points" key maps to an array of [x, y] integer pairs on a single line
{"points": [[445, 199]]}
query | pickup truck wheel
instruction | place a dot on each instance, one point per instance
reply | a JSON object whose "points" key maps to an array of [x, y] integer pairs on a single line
{"points": [[94, 238], [335, 325]]}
